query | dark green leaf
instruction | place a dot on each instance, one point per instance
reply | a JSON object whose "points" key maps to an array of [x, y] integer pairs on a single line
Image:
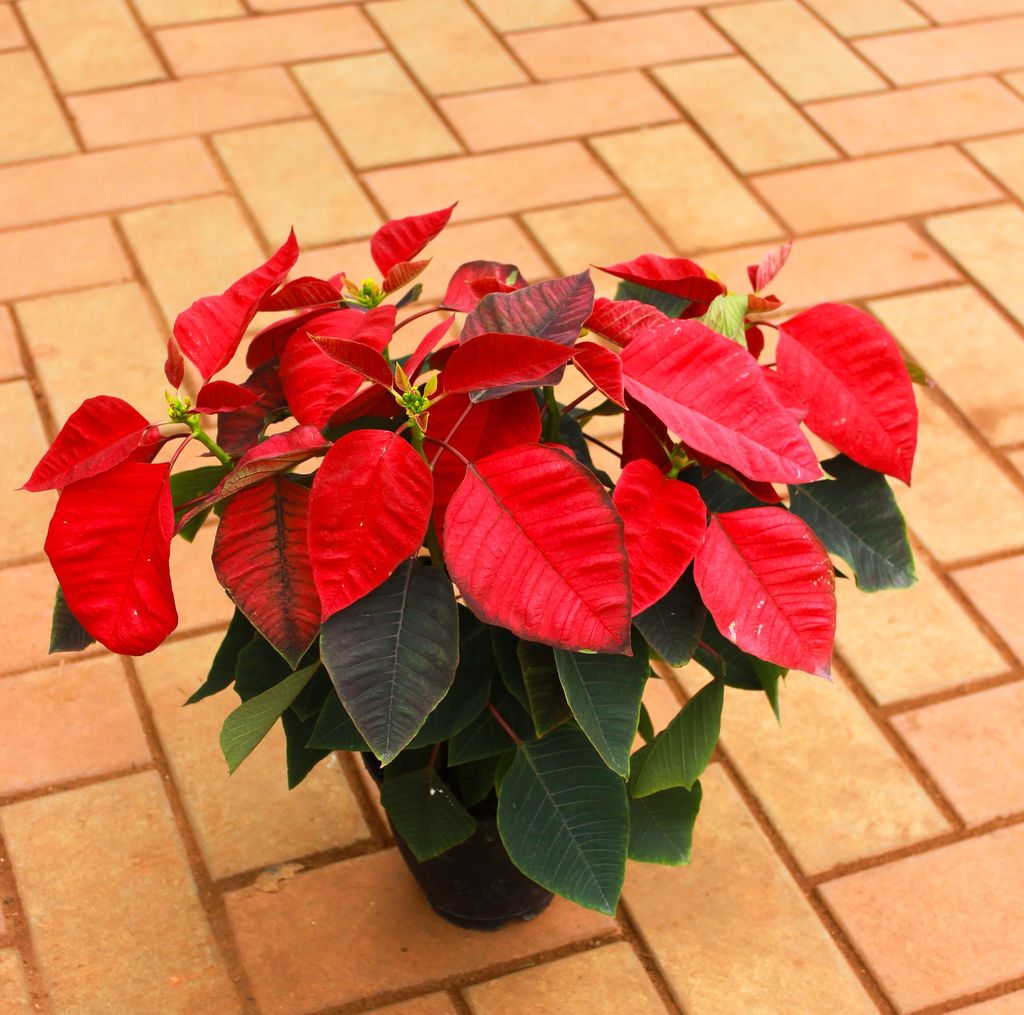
{"points": [[856, 516], [673, 624], [505, 649], [310, 701], [604, 692], [411, 295], [66, 633], [669, 305], [186, 487], [718, 492], [564, 819], [259, 667], [570, 433], [483, 737], [300, 758], [722, 659], [682, 750], [475, 780], [661, 825], [239, 634], [392, 655], [548, 707], [644, 726], [334, 729], [425, 812]]}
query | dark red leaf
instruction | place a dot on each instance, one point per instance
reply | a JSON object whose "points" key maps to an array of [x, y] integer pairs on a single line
{"points": [[269, 343], [174, 364], [402, 274], [238, 431], [373, 401], [489, 361], [535, 546], [850, 372], [374, 328], [711, 393], [368, 512], [109, 544], [365, 361], [439, 359], [224, 396], [261, 557], [426, 346], [664, 522], [476, 279], [402, 239], [602, 368], [101, 433], [675, 275], [769, 585], [771, 264], [620, 320], [302, 292], [762, 304], [210, 330], [754, 337], [644, 436]]}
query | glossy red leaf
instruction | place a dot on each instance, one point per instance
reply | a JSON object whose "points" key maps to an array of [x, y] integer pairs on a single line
{"points": [[554, 575], [368, 512], [239, 430], [859, 395], [224, 396], [475, 430], [373, 328], [770, 587], [620, 320], [475, 279], [109, 544], [602, 368], [174, 364], [770, 265], [489, 361], [402, 274], [676, 275], [426, 346], [270, 343], [210, 330], [302, 292], [711, 393], [261, 557], [664, 522], [402, 239], [365, 361], [101, 433], [785, 393]]}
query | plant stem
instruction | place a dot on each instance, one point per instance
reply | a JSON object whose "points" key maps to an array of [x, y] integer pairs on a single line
{"points": [[207, 441], [576, 401], [418, 314], [504, 725], [554, 415], [601, 444], [432, 542]]}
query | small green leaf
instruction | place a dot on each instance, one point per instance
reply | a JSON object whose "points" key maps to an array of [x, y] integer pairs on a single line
{"points": [[725, 314], [645, 727], [661, 825], [476, 779], [425, 812], [253, 719], [483, 737], [186, 487], [682, 750], [505, 649], [411, 295], [722, 659], [66, 633], [548, 707], [719, 492], [669, 305], [300, 759], [673, 624], [564, 819], [334, 729], [258, 668], [239, 634]]}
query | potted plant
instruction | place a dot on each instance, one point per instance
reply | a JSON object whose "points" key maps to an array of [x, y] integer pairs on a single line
{"points": [[457, 591]]}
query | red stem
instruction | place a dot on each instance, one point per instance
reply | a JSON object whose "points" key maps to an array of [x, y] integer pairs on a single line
{"points": [[572, 405], [417, 315], [451, 433], [447, 447], [504, 725], [601, 444]]}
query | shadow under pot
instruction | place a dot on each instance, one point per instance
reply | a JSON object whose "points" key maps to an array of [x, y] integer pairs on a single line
{"points": [[474, 884]]}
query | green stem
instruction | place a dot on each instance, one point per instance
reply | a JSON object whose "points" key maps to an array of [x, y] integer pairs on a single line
{"points": [[207, 441], [554, 415], [432, 542]]}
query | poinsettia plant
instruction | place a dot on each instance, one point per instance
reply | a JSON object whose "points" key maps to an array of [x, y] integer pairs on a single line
{"points": [[457, 589]]}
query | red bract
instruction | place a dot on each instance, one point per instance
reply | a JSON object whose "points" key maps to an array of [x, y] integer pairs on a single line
{"points": [[621, 320], [426, 346], [270, 343], [302, 292], [237, 431], [109, 543], [849, 371], [402, 239], [674, 275], [224, 396], [535, 545], [356, 356], [402, 274], [210, 331], [490, 360], [771, 264], [769, 585], [602, 368], [475, 279], [368, 512]]}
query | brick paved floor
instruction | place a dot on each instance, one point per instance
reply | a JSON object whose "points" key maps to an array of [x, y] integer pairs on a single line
{"points": [[867, 856]]}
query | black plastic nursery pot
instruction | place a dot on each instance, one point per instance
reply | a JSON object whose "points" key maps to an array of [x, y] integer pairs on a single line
{"points": [[473, 884]]}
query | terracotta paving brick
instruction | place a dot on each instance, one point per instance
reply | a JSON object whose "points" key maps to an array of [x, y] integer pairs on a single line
{"points": [[686, 187], [192, 106], [796, 50], [879, 637], [882, 187], [10, 356], [248, 820], [965, 742], [914, 117], [91, 44], [831, 807], [89, 703], [26, 597], [608, 8], [969, 10], [995, 589], [171, 12], [940, 924], [732, 933], [90, 254], [192, 249], [430, 1004], [989, 243], [426, 33], [546, 112], [495, 184], [867, 17], [604, 981], [356, 94], [315, 194], [752, 123], [14, 996], [507, 17], [847, 265], [1015, 81], [106, 181], [270, 6], [277, 38], [614, 45], [25, 516], [303, 951], [1003, 157], [31, 122], [98, 868], [1008, 1004], [77, 342], [11, 35], [950, 331], [934, 54]]}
